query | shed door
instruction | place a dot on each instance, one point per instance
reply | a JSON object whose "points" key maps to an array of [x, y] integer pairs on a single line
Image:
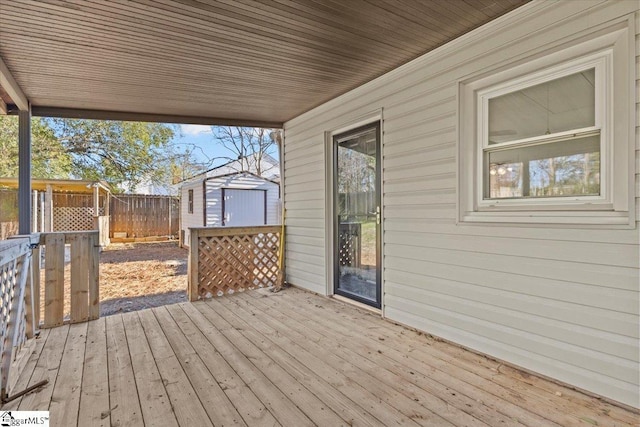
{"points": [[242, 208]]}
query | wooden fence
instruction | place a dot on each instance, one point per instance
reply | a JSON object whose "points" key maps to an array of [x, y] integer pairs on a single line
{"points": [[20, 300], [83, 294], [8, 213], [144, 216], [231, 259]]}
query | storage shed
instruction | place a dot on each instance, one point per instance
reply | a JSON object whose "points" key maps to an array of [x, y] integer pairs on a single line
{"points": [[238, 199]]}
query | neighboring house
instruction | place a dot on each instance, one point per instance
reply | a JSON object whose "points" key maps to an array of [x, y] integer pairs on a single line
{"points": [[230, 200], [508, 220], [150, 188]]}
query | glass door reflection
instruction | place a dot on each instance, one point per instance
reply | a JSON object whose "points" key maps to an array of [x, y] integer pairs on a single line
{"points": [[357, 205]]}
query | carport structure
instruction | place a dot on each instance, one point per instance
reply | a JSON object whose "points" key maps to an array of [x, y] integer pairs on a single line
{"points": [[253, 359]]}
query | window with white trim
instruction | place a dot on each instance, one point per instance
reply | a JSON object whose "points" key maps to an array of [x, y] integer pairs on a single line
{"points": [[545, 141], [545, 135]]}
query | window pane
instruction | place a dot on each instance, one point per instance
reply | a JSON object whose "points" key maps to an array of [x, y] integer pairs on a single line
{"points": [[555, 106], [558, 169]]}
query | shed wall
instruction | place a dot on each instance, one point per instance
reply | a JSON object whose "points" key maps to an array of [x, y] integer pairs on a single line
{"points": [[563, 302], [248, 182], [195, 219], [213, 200]]}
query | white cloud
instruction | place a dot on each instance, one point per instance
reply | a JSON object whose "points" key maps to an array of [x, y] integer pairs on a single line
{"points": [[195, 129]]}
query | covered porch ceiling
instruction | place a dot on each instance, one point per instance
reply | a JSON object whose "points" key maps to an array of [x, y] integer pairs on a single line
{"points": [[241, 62]]}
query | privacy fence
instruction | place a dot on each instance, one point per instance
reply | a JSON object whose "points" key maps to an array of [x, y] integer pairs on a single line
{"points": [[144, 216], [129, 216]]}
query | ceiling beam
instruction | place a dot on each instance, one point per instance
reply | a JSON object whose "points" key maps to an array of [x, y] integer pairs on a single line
{"points": [[3, 107], [12, 88], [76, 113]]}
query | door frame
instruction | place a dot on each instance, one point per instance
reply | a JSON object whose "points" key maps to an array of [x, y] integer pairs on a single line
{"points": [[223, 206], [374, 119]]}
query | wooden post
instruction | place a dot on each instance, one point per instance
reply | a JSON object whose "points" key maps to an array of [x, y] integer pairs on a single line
{"points": [[42, 214], [48, 209], [96, 200], [35, 286], [34, 206], [94, 277], [193, 265], [79, 277], [54, 280]]}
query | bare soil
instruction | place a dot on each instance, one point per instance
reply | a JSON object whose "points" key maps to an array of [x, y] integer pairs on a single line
{"points": [[134, 276]]}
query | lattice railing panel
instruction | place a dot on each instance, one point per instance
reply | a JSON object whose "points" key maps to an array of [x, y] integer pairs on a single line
{"points": [[8, 289], [15, 257], [230, 262]]}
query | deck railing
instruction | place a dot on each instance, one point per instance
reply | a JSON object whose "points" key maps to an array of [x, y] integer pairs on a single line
{"points": [[17, 311], [224, 260], [84, 294]]}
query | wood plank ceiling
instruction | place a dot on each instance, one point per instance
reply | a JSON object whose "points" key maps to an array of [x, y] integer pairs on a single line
{"points": [[260, 62]]}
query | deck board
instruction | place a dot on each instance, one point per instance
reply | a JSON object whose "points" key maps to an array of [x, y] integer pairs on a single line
{"points": [[124, 404], [292, 358], [94, 396]]}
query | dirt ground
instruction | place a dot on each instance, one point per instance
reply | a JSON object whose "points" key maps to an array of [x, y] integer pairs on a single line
{"points": [[134, 276]]}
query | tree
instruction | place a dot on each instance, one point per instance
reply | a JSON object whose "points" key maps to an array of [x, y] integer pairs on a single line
{"points": [[49, 158], [184, 166], [124, 154], [248, 145]]}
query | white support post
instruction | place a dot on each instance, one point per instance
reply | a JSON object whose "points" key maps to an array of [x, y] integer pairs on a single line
{"points": [[48, 209], [96, 201], [34, 206]]}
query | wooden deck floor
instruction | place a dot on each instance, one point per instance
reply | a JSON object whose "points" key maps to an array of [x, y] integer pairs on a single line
{"points": [[291, 359]]}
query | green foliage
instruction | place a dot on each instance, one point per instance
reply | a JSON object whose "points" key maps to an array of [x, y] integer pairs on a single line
{"points": [[124, 154], [49, 158]]}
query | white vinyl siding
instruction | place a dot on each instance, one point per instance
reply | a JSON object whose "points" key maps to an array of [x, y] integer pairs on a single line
{"points": [[196, 218], [247, 182], [560, 301], [213, 199]]}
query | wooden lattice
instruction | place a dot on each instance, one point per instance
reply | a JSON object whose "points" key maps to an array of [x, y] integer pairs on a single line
{"points": [[350, 241], [15, 257], [235, 259], [74, 218]]}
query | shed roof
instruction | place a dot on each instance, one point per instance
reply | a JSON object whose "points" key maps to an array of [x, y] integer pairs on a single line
{"points": [[216, 62], [201, 178]]}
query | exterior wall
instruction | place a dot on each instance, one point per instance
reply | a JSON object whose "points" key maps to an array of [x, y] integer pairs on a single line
{"points": [[561, 301], [213, 200], [214, 195], [195, 219]]}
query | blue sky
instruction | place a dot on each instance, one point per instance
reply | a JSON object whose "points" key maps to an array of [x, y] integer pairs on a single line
{"points": [[207, 147], [202, 138]]}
